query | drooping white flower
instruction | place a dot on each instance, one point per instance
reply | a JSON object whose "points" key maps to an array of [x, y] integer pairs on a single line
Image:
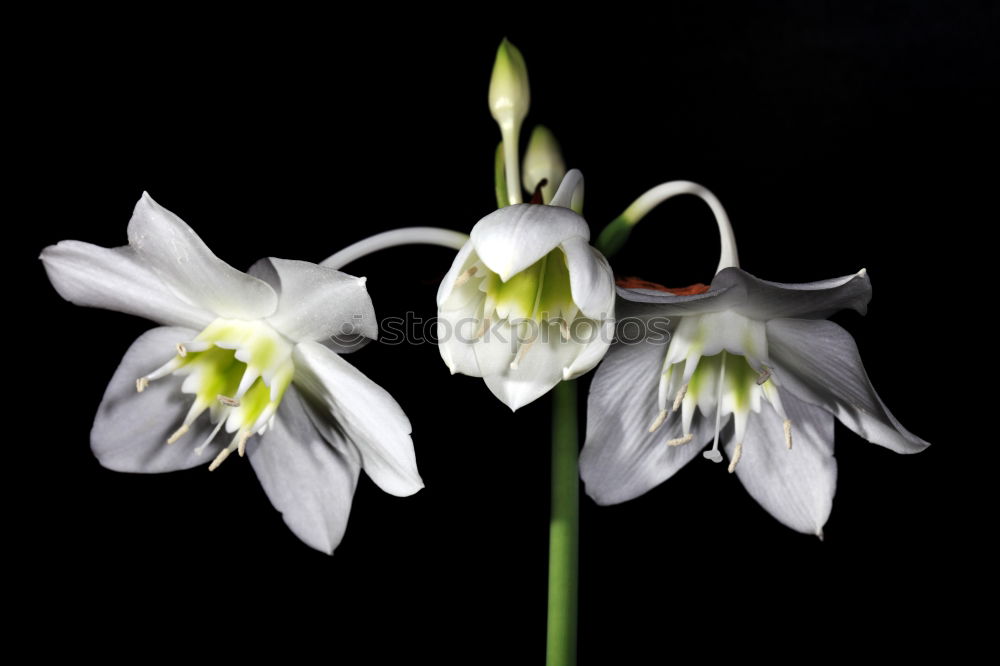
{"points": [[527, 302], [249, 354], [754, 353]]}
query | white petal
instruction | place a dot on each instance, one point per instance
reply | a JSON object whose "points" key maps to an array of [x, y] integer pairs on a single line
{"points": [[462, 261], [455, 332], [182, 260], [749, 296], [309, 481], [591, 279], [795, 485], [131, 429], [570, 190], [540, 365], [668, 304], [496, 348], [807, 300], [115, 279], [365, 412], [593, 351], [511, 239], [621, 459], [819, 362], [317, 303]]}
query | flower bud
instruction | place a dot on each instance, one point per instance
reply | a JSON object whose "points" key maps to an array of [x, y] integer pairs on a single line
{"points": [[510, 94], [543, 161]]}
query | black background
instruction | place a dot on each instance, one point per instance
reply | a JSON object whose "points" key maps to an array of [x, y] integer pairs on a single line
{"points": [[837, 139]]}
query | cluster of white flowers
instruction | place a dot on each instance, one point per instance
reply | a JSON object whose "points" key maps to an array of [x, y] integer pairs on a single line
{"points": [[257, 354]]}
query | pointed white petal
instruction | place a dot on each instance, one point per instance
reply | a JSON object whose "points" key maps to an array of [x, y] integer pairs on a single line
{"points": [[317, 303], [364, 412], [594, 349], [749, 296], [116, 279], [456, 330], [621, 459], [540, 361], [591, 279], [309, 481], [819, 362], [182, 260], [131, 429], [807, 300], [675, 305], [465, 258], [511, 239], [795, 485], [570, 189]]}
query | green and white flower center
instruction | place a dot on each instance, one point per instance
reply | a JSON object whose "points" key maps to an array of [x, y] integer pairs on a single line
{"points": [[717, 364], [238, 372], [539, 296]]}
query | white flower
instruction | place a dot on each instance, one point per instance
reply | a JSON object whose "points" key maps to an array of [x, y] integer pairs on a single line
{"points": [[747, 350], [527, 302], [758, 353], [251, 354]]}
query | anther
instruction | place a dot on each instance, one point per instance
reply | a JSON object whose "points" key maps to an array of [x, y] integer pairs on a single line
{"points": [[680, 398], [141, 384], [736, 457], [658, 421], [680, 440], [223, 454], [181, 350], [241, 444], [788, 434], [465, 276], [765, 374], [227, 401], [180, 432], [483, 325]]}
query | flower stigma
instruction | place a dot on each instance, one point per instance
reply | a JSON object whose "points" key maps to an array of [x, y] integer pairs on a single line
{"points": [[717, 365], [238, 372]]}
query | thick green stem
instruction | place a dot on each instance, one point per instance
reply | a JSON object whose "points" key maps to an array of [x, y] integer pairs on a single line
{"points": [[563, 529]]}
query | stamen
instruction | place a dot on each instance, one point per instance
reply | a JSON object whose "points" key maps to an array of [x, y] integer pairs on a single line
{"points": [[208, 440], [680, 398], [465, 276], [521, 351], [141, 384], [765, 374], [788, 434], [564, 330], [483, 325], [736, 457], [658, 421], [241, 444], [181, 350], [680, 440], [219, 459], [227, 401], [180, 432]]}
